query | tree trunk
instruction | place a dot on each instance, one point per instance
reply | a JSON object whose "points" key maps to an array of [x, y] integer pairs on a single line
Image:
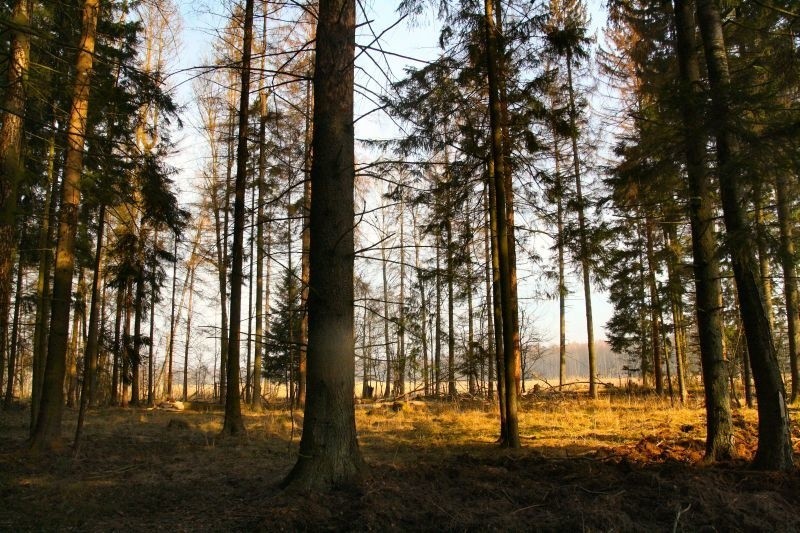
{"points": [[774, 443], [304, 263], [255, 400], [437, 355], [188, 334], [90, 355], [655, 306], [787, 257], [46, 236], [451, 329], [584, 245], [117, 349], [400, 376], [511, 362], [48, 425], [12, 356], [11, 170], [497, 310], [490, 315], [172, 321], [719, 429], [674, 283], [387, 343], [234, 424], [329, 453]]}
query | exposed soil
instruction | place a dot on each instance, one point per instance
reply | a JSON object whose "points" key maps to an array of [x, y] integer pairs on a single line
{"points": [[432, 469]]}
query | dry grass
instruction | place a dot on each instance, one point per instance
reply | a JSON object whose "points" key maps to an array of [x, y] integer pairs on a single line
{"points": [[621, 463]]}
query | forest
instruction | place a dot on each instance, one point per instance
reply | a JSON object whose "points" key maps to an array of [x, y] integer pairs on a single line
{"points": [[412, 265]]}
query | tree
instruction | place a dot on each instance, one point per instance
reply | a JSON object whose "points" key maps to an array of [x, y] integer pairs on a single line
{"points": [[329, 453], [774, 443], [48, 426], [234, 425], [11, 169]]}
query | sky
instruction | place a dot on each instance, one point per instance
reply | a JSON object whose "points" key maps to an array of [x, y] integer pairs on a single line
{"points": [[418, 39]]}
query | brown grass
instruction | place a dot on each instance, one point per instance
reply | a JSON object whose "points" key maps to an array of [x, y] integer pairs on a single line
{"points": [[620, 463]]}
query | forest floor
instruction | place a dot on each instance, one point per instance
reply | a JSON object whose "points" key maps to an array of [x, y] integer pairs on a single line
{"points": [[615, 464]]}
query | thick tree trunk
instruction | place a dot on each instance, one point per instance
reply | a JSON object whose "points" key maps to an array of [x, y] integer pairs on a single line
{"points": [[11, 169], [497, 309], [719, 429], [329, 453], [48, 425], [774, 443]]}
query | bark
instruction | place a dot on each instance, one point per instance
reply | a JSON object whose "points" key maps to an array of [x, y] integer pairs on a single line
{"points": [[255, 400], [400, 376], [329, 453], [655, 306], [451, 329], [674, 283], [763, 254], [497, 310], [48, 425], [490, 316], [172, 321], [12, 356], [304, 263], [437, 355], [582, 231], [43, 283], [115, 365], [387, 343], [151, 348], [136, 355], [90, 355], [787, 258], [189, 310], [708, 292], [511, 360], [774, 443], [234, 424], [11, 170]]}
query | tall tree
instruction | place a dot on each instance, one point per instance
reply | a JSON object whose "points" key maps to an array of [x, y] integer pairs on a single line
{"points": [[11, 169], [774, 442], [329, 451], [48, 424], [234, 423]]}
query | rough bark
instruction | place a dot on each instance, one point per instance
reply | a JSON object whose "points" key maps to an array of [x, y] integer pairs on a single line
{"points": [[234, 424], [719, 429], [774, 443], [48, 425], [11, 170], [510, 360], [329, 453]]}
